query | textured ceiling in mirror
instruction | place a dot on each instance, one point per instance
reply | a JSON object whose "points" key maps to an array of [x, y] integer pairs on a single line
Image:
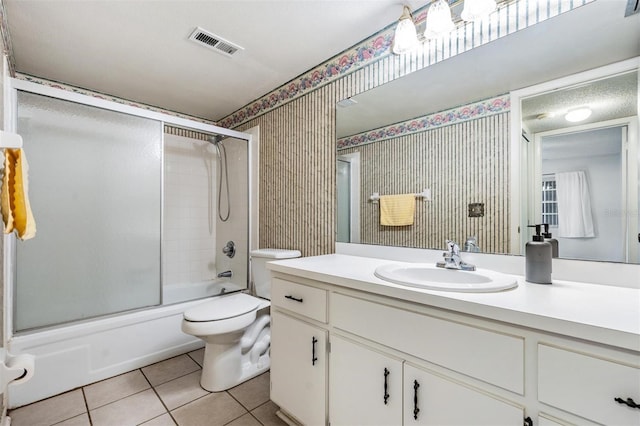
{"points": [[609, 98]]}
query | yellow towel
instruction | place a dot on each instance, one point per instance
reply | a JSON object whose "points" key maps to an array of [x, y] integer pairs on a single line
{"points": [[8, 183], [15, 206], [397, 210]]}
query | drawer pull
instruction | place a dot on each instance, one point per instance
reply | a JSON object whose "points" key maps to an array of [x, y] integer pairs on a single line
{"points": [[416, 410], [288, 296], [629, 402], [528, 421], [313, 350], [386, 394]]}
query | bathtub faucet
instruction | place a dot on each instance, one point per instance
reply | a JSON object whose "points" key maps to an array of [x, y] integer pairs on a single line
{"points": [[225, 274]]}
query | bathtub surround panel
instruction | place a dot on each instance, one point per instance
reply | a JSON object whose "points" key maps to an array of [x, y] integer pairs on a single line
{"points": [[189, 234], [461, 163], [194, 235], [236, 228]]}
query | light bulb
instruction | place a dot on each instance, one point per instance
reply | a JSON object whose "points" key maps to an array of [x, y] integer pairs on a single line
{"points": [[439, 20], [406, 37], [578, 114]]}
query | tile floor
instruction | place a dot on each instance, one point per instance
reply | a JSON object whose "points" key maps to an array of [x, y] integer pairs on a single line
{"points": [[165, 393]]}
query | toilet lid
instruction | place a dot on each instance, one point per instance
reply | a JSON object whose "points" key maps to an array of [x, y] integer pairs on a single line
{"points": [[223, 307]]}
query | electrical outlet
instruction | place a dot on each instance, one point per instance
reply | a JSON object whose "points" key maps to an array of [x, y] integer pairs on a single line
{"points": [[476, 209]]}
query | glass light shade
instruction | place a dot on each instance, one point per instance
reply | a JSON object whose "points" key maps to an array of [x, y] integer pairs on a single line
{"points": [[475, 10], [578, 114], [439, 20], [406, 37]]}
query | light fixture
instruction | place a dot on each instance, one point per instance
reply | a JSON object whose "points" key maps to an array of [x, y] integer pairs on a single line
{"points": [[475, 10], [578, 114], [406, 37], [439, 20]]}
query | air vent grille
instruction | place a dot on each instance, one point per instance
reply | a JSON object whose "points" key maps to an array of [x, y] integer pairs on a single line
{"points": [[214, 42]]}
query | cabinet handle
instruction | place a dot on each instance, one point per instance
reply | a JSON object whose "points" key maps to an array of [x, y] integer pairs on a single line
{"points": [[386, 384], [629, 402], [528, 421], [313, 350], [416, 410], [288, 296]]}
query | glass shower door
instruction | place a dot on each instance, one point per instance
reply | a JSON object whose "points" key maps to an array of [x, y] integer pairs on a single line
{"points": [[95, 181]]}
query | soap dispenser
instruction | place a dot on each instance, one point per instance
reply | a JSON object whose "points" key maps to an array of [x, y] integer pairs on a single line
{"points": [[538, 254], [549, 238]]}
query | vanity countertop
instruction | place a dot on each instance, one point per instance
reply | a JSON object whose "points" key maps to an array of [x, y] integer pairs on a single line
{"points": [[600, 313]]}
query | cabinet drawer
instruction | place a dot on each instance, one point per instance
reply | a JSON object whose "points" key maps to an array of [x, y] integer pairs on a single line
{"points": [[586, 386], [301, 299], [489, 356]]}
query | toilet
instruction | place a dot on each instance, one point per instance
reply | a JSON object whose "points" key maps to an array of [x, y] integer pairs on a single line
{"points": [[235, 328]]}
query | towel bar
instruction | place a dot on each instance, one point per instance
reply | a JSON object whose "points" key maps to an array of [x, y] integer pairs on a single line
{"points": [[425, 195]]}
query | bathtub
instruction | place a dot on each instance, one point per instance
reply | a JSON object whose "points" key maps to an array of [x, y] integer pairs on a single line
{"points": [[78, 354]]}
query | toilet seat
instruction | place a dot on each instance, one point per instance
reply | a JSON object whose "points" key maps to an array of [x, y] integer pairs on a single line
{"points": [[224, 314], [223, 307]]}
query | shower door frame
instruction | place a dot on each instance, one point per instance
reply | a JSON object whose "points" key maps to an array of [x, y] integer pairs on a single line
{"points": [[13, 85]]}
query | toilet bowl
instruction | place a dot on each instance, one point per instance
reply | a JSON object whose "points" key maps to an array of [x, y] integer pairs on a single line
{"points": [[235, 328]]}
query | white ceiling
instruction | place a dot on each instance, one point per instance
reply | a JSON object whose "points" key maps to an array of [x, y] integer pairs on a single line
{"points": [[139, 49]]}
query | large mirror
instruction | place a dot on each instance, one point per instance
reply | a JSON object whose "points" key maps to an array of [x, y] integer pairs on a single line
{"points": [[477, 177]]}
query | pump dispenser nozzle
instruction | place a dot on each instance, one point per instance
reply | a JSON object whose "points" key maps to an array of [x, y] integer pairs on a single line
{"points": [[538, 236], [548, 237], [538, 254]]}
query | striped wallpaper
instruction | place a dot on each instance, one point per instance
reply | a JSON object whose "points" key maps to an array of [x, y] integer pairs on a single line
{"points": [[461, 164]]}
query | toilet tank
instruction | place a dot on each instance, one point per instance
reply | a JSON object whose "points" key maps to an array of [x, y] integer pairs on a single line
{"points": [[261, 277]]}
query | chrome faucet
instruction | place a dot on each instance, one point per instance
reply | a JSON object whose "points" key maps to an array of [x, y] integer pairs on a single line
{"points": [[471, 245], [452, 259], [225, 274]]}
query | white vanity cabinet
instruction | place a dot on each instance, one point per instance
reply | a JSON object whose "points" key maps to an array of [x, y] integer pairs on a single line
{"points": [[431, 399], [299, 352], [393, 357], [588, 386], [365, 385]]}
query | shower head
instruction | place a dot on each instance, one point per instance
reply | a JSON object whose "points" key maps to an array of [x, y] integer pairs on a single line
{"points": [[215, 139]]}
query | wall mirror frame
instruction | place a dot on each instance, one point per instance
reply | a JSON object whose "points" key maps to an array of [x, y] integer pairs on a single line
{"points": [[575, 46]]}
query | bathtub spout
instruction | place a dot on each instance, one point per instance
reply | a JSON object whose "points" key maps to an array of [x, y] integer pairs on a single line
{"points": [[225, 274]]}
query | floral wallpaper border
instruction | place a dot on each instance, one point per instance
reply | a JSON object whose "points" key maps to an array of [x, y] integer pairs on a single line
{"points": [[511, 16], [448, 117]]}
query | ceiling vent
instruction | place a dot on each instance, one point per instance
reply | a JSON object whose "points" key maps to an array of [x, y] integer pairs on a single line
{"points": [[633, 7], [214, 42]]}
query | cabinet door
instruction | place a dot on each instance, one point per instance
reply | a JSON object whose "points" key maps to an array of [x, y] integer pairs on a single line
{"points": [[365, 386], [430, 399], [299, 368]]}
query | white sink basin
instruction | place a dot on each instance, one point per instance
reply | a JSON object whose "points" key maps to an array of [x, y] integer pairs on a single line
{"points": [[433, 278]]}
